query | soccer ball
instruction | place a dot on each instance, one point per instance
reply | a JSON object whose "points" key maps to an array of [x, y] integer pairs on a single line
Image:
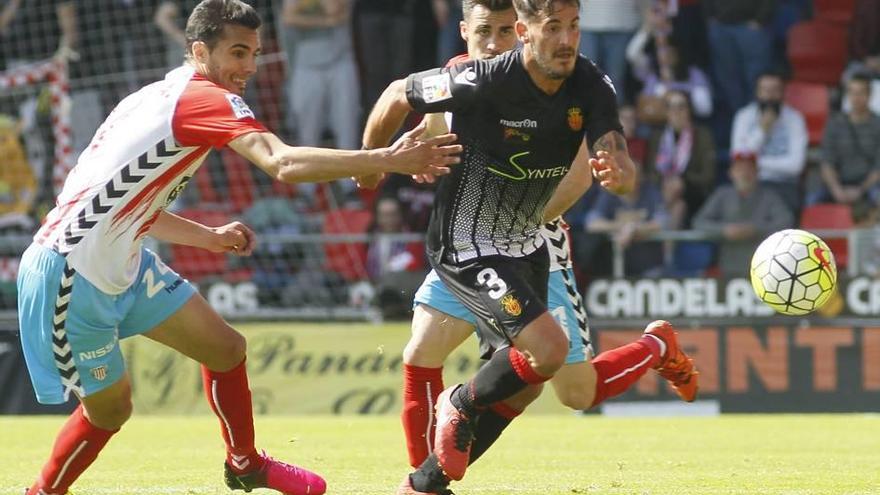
{"points": [[793, 272]]}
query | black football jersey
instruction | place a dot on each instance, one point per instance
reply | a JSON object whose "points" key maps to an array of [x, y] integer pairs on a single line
{"points": [[518, 144]]}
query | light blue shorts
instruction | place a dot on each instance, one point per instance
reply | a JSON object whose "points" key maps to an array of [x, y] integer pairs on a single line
{"points": [[563, 301], [70, 330]]}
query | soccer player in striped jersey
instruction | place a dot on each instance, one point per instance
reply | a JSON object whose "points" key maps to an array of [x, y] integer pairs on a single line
{"points": [[87, 281], [442, 322]]}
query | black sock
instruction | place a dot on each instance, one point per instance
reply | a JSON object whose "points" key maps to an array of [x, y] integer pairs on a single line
{"points": [[494, 382], [489, 426], [429, 477]]}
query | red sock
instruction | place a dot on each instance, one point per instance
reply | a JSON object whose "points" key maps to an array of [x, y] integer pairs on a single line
{"points": [[76, 448], [230, 399], [421, 386], [618, 369]]}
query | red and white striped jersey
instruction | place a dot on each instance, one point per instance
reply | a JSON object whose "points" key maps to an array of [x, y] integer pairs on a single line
{"points": [[136, 164]]}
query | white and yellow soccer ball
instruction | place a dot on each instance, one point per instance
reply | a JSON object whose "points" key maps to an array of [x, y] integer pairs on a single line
{"points": [[793, 272]]}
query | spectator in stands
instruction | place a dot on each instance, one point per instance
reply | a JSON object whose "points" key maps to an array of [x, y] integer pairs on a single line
{"points": [[448, 15], [660, 68], [396, 268], [416, 199], [628, 218], [170, 18], [740, 45], [742, 214], [606, 28], [30, 32], [777, 134], [681, 158], [689, 26], [386, 256], [385, 40], [17, 183], [868, 66], [850, 165], [865, 30], [323, 87], [866, 225], [38, 30]]}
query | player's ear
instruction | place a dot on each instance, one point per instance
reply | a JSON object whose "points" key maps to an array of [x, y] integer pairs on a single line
{"points": [[462, 30], [522, 31], [200, 51]]}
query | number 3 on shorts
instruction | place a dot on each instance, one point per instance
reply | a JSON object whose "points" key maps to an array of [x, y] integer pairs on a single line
{"points": [[489, 278]]}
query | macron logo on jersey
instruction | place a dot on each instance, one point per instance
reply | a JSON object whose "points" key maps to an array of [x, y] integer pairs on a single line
{"points": [[239, 107]]}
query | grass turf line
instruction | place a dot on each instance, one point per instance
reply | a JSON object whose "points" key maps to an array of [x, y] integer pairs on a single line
{"points": [[546, 455]]}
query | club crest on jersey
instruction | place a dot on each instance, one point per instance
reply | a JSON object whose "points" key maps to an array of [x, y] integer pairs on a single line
{"points": [[239, 107], [436, 88], [99, 373], [511, 305], [575, 119]]}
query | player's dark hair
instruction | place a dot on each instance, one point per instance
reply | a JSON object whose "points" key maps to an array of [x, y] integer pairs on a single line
{"points": [[531, 9], [775, 73], [863, 78], [493, 5], [206, 22]]}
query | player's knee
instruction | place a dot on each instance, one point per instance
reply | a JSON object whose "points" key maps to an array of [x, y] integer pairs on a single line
{"points": [[419, 352], [229, 353], [552, 355]]}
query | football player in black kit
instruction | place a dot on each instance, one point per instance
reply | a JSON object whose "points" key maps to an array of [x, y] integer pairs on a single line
{"points": [[522, 118]]}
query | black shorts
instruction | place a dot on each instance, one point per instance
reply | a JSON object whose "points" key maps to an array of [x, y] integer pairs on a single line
{"points": [[505, 293]]}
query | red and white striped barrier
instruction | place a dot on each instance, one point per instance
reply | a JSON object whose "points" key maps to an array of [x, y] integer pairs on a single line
{"points": [[53, 72]]}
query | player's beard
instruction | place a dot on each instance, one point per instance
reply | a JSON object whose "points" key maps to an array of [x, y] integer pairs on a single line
{"points": [[546, 66]]}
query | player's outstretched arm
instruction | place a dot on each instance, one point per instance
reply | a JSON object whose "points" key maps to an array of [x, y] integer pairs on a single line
{"points": [[235, 237], [292, 164], [612, 166], [575, 183], [384, 121]]}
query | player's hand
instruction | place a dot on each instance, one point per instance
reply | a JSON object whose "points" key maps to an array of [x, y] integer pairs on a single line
{"points": [[739, 231], [850, 194], [610, 174], [412, 156], [236, 238], [424, 178], [368, 181]]}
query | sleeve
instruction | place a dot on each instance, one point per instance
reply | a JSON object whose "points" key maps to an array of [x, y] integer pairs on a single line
{"points": [[211, 116], [876, 142], [747, 134], [603, 209], [792, 162], [602, 116], [446, 89], [776, 215], [829, 139], [708, 218]]}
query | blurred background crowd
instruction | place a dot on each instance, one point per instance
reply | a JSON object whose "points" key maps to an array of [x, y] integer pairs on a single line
{"points": [[745, 117]]}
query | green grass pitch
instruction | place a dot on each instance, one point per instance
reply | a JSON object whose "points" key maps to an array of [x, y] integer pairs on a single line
{"points": [[540, 455]]}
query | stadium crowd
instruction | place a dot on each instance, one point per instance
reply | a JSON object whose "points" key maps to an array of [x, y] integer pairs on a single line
{"points": [[741, 115]]}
